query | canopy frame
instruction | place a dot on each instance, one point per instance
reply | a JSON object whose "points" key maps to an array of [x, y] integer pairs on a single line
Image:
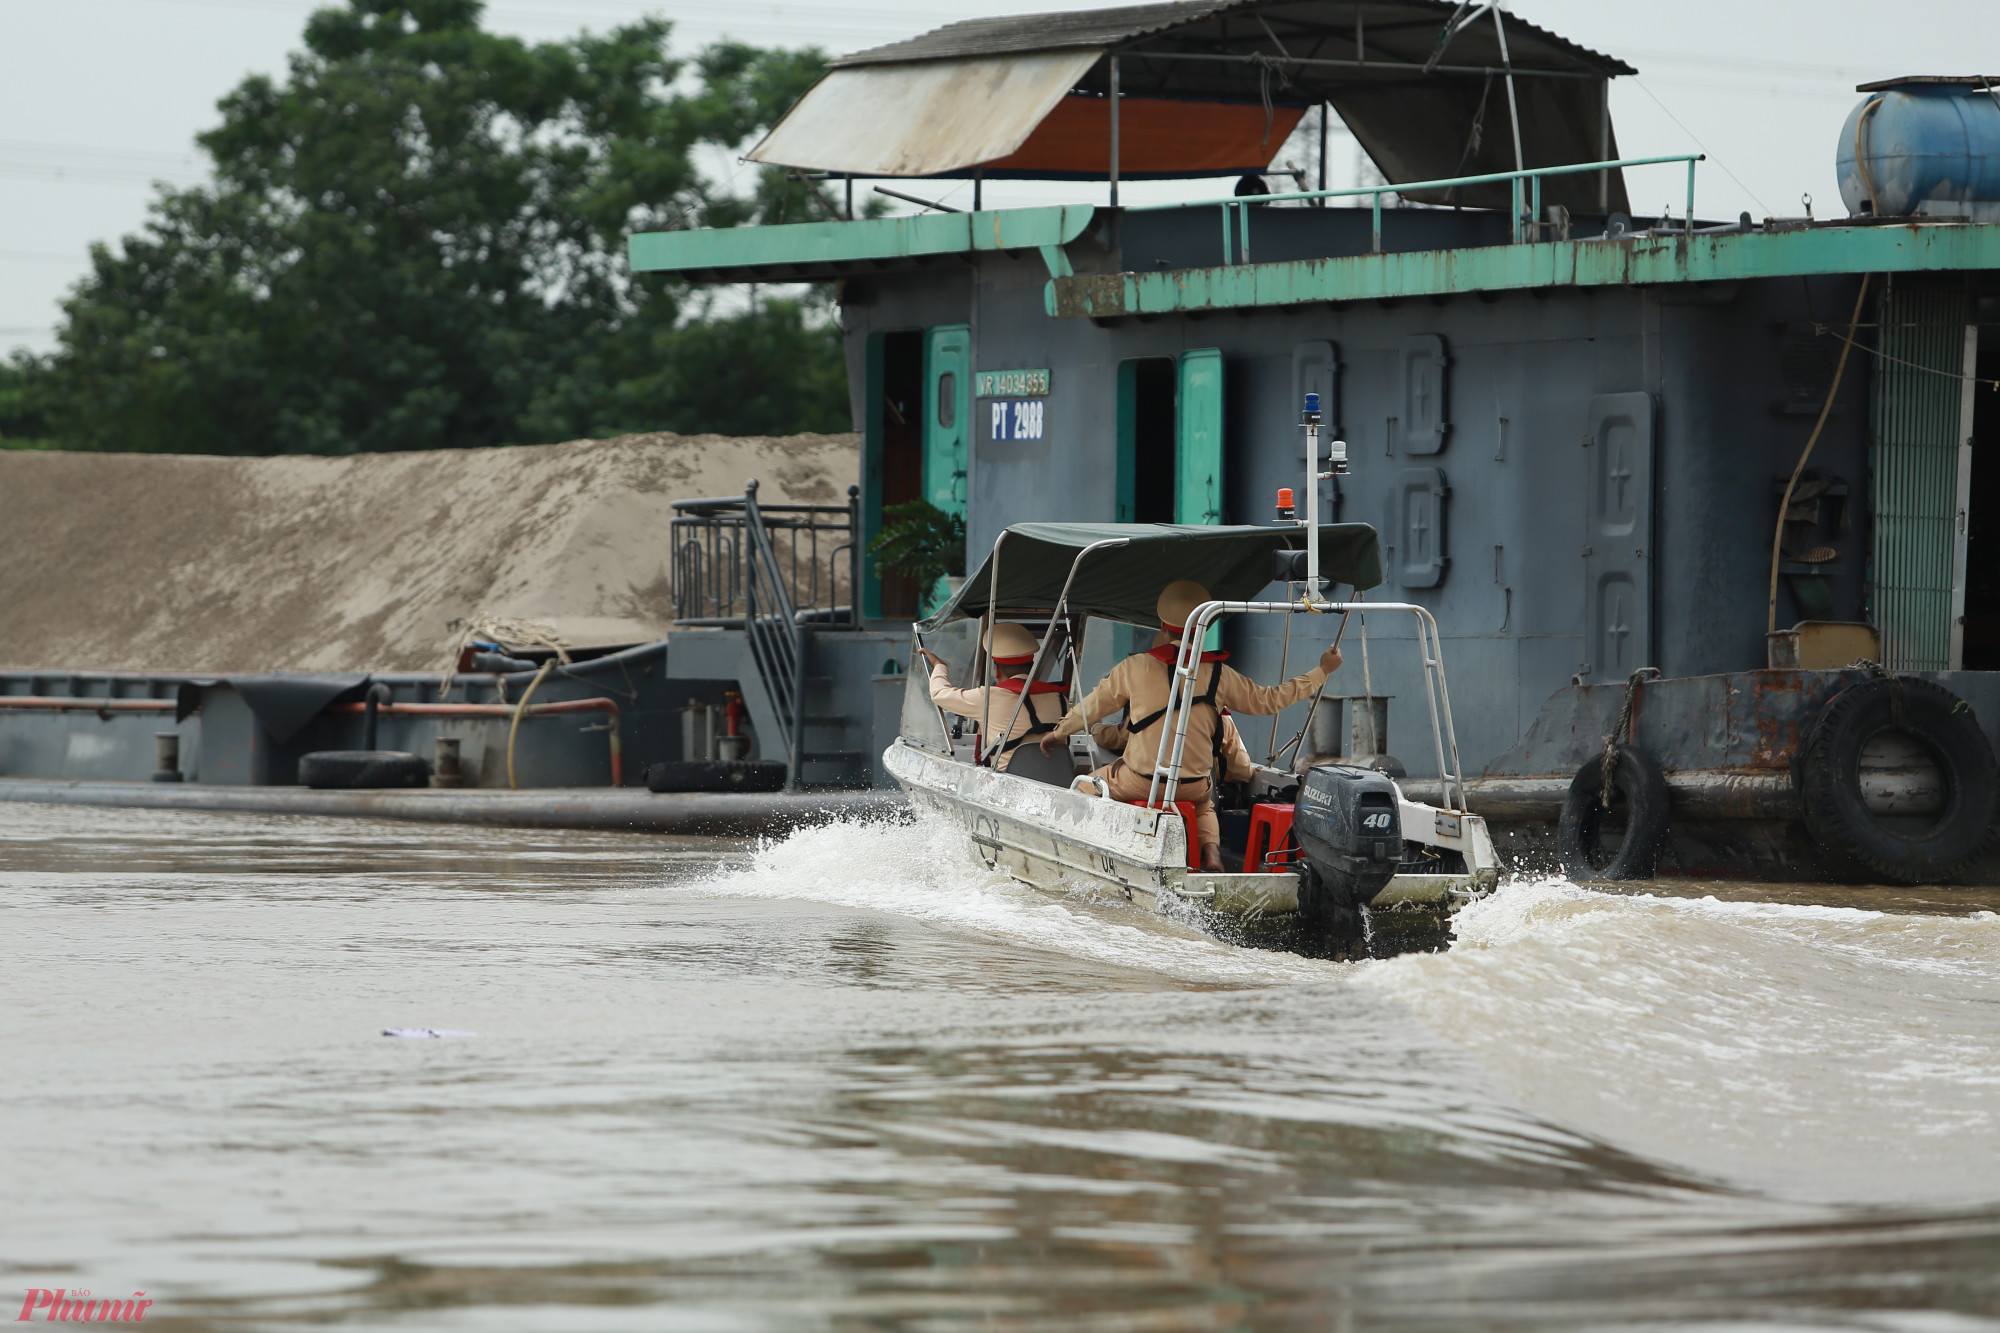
{"points": [[1232, 560], [1303, 52], [1363, 563], [1181, 701]]}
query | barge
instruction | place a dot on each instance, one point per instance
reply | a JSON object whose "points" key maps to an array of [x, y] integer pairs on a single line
{"points": [[1706, 510], [1719, 492]]}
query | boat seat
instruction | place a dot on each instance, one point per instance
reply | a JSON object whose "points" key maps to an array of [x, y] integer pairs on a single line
{"points": [[1270, 831], [1186, 809], [1056, 769]]}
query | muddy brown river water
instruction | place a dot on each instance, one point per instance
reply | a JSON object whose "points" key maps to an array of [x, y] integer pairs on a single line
{"points": [[844, 1082]]}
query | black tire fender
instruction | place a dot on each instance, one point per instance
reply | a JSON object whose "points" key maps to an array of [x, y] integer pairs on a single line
{"points": [[1907, 849], [362, 769], [1639, 780]]}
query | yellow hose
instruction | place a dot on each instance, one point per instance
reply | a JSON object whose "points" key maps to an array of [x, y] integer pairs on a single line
{"points": [[1785, 505], [515, 726]]}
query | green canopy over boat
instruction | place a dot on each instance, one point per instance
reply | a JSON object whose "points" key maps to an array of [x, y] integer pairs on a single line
{"points": [[1123, 582]]}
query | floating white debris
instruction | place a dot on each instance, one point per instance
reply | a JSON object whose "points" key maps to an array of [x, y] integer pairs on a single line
{"points": [[425, 1032]]}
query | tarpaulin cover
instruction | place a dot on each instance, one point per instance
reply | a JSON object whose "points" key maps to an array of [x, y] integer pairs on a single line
{"points": [[1123, 583], [1159, 138], [284, 702], [921, 118]]}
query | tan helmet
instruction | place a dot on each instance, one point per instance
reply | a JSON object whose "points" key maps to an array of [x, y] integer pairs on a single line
{"points": [[1010, 644], [1177, 603]]}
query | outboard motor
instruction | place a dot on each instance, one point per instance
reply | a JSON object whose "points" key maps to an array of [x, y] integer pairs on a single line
{"points": [[1350, 830]]}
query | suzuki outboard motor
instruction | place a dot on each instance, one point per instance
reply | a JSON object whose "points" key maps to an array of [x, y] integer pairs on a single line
{"points": [[1348, 825]]}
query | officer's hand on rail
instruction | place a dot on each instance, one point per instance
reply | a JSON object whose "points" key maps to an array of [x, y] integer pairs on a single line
{"points": [[1050, 741], [931, 659], [1329, 661]]}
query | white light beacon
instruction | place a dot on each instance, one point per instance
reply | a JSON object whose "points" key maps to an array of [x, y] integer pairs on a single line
{"points": [[1337, 456]]}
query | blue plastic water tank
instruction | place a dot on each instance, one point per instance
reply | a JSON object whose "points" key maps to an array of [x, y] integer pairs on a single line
{"points": [[1932, 147]]}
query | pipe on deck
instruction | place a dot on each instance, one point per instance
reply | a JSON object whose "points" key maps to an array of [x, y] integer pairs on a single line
{"points": [[606, 706], [70, 703]]}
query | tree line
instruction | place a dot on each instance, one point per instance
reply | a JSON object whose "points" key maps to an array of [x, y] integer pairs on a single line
{"points": [[416, 240]]}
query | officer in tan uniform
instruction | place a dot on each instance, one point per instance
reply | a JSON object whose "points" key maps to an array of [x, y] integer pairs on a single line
{"points": [[1237, 766], [1140, 685], [1012, 648]]}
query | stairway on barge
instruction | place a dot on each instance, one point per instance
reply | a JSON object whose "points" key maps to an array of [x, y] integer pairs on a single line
{"points": [[764, 603]]}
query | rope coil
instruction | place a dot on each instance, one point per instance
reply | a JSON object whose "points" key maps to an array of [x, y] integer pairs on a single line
{"points": [[500, 629]]}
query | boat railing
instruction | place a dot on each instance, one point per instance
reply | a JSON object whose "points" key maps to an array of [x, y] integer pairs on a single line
{"points": [[1180, 693], [813, 550], [740, 562], [1526, 184]]}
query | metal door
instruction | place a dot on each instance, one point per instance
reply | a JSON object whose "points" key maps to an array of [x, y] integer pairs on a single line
{"points": [[1198, 438], [947, 415], [1416, 527], [1922, 474], [1618, 541], [1426, 417]]}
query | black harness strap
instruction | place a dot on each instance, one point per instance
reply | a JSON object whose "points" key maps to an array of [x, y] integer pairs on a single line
{"points": [[1207, 697], [1036, 727]]}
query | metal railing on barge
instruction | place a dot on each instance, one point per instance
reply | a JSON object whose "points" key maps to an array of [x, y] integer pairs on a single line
{"points": [[740, 563], [1526, 185]]}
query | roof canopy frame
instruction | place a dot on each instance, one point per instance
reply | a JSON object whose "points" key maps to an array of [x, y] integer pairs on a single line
{"points": [[1135, 560], [1381, 64], [1139, 52]]}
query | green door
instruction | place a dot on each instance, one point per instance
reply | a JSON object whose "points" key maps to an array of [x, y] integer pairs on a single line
{"points": [[947, 414], [1198, 438]]}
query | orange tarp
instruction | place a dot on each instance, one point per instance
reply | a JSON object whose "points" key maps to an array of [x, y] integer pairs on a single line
{"points": [[1156, 137]]}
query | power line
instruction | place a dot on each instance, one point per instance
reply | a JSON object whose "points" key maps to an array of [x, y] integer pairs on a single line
{"points": [[184, 158], [87, 175], [892, 21], [1704, 148], [1801, 69]]}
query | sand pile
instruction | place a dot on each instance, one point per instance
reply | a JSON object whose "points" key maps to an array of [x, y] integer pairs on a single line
{"points": [[191, 563]]}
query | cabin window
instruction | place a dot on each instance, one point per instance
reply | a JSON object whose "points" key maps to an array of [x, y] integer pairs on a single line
{"points": [[948, 400]]}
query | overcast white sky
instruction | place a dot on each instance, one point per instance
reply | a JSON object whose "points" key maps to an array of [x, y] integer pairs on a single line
{"points": [[99, 98]]}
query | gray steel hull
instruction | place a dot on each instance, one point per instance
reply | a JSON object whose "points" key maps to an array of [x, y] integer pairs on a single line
{"points": [[1065, 840]]}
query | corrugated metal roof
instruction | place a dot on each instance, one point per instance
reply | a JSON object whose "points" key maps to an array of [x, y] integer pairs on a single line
{"points": [[1035, 32], [1403, 31], [1984, 81]]}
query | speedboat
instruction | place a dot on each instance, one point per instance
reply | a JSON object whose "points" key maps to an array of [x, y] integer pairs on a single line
{"points": [[1332, 844]]}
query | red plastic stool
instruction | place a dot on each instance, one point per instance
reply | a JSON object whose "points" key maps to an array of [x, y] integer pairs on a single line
{"points": [[1187, 817], [1270, 829]]}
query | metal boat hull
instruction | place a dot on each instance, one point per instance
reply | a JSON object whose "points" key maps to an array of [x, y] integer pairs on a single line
{"points": [[1058, 839]]}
